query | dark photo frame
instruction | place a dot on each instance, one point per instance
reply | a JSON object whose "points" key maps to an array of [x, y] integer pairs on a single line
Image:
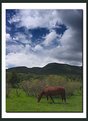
{"points": [[49, 115]]}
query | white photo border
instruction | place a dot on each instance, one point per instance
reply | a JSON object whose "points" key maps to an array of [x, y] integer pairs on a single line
{"points": [[42, 6]]}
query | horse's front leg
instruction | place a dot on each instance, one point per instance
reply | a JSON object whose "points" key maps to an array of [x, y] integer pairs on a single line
{"points": [[51, 98]]}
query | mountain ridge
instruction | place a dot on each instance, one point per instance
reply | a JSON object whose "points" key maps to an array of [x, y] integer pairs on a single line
{"points": [[51, 68]]}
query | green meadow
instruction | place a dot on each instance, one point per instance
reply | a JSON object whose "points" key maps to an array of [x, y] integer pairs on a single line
{"points": [[24, 103]]}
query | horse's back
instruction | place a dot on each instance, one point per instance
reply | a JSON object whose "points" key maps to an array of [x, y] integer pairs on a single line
{"points": [[54, 89]]}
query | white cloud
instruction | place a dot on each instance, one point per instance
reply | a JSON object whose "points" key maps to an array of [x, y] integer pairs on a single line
{"points": [[36, 18], [49, 38], [71, 50], [27, 59], [14, 18], [38, 48], [20, 37], [14, 48], [8, 37]]}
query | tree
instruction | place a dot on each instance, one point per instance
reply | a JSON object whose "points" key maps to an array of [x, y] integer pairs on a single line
{"points": [[14, 81]]}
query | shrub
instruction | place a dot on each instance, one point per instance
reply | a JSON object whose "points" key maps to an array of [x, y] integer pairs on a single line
{"points": [[32, 87], [72, 87]]}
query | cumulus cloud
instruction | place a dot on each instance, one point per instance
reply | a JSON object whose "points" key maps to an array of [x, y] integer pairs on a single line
{"points": [[8, 37], [38, 48], [14, 19], [71, 50], [28, 59], [36, 18], [14, 48], [49, 38], [37, 55], [20, 37]]}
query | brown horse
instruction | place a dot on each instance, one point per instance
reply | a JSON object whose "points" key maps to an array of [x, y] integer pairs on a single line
{"points": [[50, 91]]}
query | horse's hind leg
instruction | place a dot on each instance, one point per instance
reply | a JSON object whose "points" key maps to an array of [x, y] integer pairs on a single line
{"points": [[65, 99], [47, 97], [62, 99], [52, 99]]}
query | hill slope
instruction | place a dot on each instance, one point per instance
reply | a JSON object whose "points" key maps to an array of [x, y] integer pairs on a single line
{"points": [[52, 68]]}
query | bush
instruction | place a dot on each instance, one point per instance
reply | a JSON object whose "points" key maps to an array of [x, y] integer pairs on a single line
{"points": [[32, 87], [72, 87]]}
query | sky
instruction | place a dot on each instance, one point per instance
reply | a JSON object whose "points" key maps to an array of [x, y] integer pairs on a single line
{"points": [[36, 37]]}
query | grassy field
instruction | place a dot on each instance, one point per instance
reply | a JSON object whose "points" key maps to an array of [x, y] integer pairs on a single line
{"points": [[25, 103]]}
